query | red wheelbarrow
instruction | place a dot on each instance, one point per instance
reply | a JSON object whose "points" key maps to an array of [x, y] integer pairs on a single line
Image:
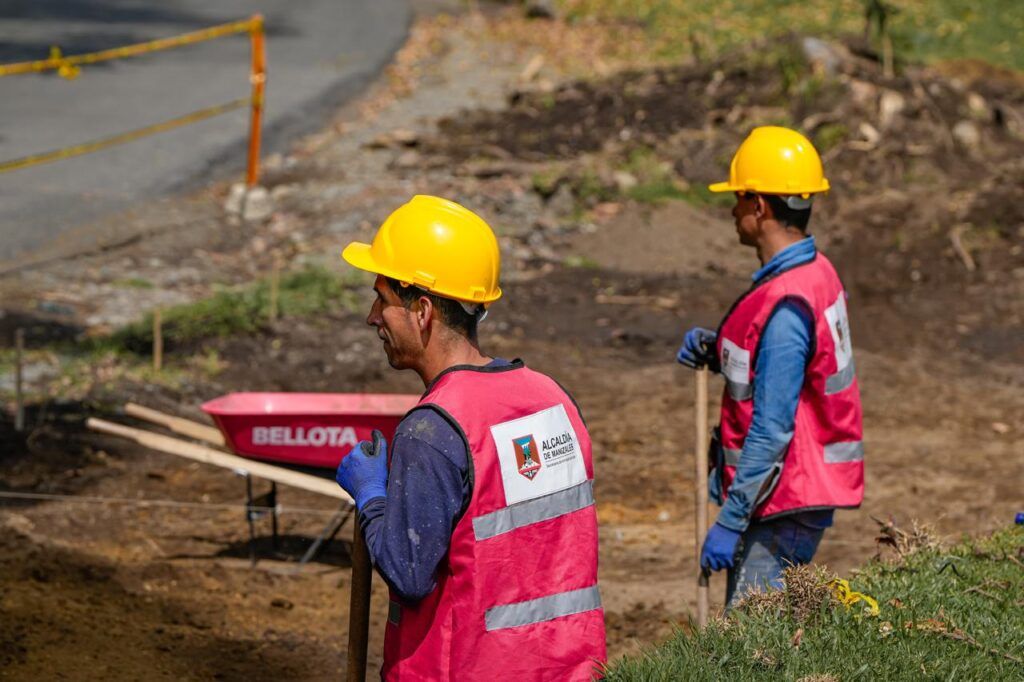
{"points": [[305, 429], [273, 434]]}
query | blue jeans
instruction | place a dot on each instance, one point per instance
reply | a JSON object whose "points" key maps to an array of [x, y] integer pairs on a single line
{"points": [[767, 548]]}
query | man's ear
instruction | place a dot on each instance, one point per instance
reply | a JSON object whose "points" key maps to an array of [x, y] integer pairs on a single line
{"points": [[763, 210], [424, 313]]}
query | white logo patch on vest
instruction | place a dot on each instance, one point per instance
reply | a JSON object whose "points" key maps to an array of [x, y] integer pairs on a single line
{"points": [[735, 362], [839, 325], [538, 454]]}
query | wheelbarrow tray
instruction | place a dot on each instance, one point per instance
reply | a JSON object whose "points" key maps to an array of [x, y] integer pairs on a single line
{"points": [[305, 429]]}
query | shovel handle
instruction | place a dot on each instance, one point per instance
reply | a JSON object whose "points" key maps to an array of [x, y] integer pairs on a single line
{"points": [[359, 607], [701, 489]]}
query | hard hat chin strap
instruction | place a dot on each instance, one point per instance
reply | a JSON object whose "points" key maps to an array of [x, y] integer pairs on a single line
{"points": [[477, 310], [797, 202]]}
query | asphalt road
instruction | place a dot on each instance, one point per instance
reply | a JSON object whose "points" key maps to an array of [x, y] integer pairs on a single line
{"points": [[319, 53]]}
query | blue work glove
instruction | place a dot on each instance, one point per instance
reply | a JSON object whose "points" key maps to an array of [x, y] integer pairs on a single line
{"points": [[698, 350], [363, 473], [719, 549]]}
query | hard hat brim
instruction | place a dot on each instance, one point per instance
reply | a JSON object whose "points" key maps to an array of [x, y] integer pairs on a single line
{"points": [[722, 187], [358, 255]]}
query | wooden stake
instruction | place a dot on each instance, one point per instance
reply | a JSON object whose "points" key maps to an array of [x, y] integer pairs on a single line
{"points": [[158, 340], [201, 453], [19, 397], [275, 286], [888, 70], [701, 490], [359, 607], [185, 427]]}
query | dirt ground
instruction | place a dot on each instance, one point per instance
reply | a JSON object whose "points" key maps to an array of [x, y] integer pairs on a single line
{"points": [[599, 289]]}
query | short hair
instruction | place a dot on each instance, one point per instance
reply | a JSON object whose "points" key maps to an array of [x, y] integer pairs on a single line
{"points": [[793, 217], [451, 312]]}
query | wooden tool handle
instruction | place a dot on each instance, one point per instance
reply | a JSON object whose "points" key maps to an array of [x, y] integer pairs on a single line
{"points": [[701, 489], [359, 607]]}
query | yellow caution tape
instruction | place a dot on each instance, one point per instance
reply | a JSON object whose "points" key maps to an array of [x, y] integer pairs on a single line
{"points": [[67, 67], [96, 145], [65, 70], [849, 597]]}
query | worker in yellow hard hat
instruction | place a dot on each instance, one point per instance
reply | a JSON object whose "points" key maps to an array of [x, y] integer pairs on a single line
{"points": [[788, 449], [482, 520]]}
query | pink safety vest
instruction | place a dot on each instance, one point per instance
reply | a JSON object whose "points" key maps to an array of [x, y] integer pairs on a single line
{"points": [[824, 465], [516, 597]]}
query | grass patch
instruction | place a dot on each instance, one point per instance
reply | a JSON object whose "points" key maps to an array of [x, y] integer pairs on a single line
{"points": [[656, 191], [103, 363], [945, 614], [700, 195], [545, 182], [656, 182], [581, 262], [642, 176], [589, 187], [133, 283], [921, 31], [830, 135], [230, 312]]}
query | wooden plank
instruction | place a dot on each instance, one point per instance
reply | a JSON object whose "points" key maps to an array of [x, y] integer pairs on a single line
{"points": [[201, 453], [185, 427]]}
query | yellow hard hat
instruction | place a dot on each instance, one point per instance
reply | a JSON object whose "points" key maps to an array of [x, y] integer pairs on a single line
{"points": [[437, 245], [774, 160]]}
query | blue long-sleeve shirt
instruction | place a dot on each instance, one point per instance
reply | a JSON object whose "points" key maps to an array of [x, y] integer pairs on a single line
{"points": [[429, 487], [784, 352]]}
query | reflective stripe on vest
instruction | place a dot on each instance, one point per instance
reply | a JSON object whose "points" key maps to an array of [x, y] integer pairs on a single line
{"points": [[837, 383], [841, 380], [534, 511], [851, 451], [738, 391], [835, 453], [540, 610]]}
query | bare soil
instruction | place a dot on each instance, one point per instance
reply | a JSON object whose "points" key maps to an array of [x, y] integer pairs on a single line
{"points": [[599, 292]]}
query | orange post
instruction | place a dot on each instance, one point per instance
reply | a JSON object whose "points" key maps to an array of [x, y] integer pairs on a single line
{"points": [[258, 78]]}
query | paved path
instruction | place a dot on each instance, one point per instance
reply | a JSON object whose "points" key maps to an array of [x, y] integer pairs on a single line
{"points": [[319, 53]]}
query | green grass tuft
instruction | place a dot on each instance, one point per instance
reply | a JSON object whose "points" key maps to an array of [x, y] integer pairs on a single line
{"points": [[700, 195], [954, 614], [921, 31], [133, 283], [230, 312]]}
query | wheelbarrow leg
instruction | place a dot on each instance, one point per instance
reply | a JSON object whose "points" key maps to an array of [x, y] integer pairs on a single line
{"points": [[327, 534], [272, 503], [250, 517]]}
